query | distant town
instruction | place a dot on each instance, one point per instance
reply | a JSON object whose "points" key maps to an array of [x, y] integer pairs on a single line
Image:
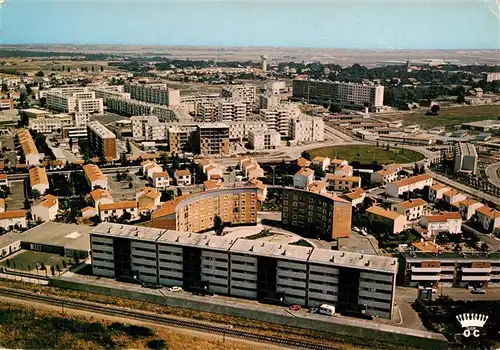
{"points": [[308, 186]]}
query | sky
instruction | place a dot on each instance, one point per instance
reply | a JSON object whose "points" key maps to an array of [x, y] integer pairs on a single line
{"points": [[353, 24]]}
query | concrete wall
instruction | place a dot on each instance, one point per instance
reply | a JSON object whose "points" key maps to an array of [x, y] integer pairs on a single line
{"points": [[339, 326]]}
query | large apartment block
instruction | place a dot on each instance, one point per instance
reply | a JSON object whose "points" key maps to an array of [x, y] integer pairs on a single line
{"points": [[450, 269], [212, 139], [465, 157], [72, 100], [245, 93], [307, 129], [154, 93], [196, 212], [102, 141], [280, 118], [229, 110], [133, 107], [324, 215], [240, 130], [148, 128], [105, 92], [180, 137], [343, 94], [246, 268]]}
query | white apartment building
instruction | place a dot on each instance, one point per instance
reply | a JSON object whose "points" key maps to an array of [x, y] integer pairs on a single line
{"points": [[46, 209], [133, 107], [68, 101], [100, 196], [95, 177], [488, 218], [269, 101], [117, 209], [154, 93], [387, 175], [47, 125], [4, 180], [467, 208], [418, 182], [105, 92], [300, 275], [259, 140], [444, 222], [436, 192], [231, 111], [81, 119], [38, 179], [148, 128], [207, 112], [412, 209], [240, 92], [322, 162], [307, 129], [303, 178], [183, 177], [29, 148], [239, 130], [280, 119], [191, 103]]}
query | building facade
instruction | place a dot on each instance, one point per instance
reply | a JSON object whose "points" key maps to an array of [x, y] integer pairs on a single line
{"points": [[307, 129], [326, 216], [101, 140], [245, 268], [148, 128], [269, 139], [154, 93]]}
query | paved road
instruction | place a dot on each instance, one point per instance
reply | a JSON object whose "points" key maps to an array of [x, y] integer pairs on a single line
{"points": [[492, 174], [110, 171], [464, 188], [493, 243]]}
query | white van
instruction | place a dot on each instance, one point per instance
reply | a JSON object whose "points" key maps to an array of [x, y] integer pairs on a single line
{"points": [[326, 309]]}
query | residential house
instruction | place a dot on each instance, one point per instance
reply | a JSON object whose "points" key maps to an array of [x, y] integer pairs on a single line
{"points": [[317, 187], [4, 181], [183, 177], [488, 218], [322, 162], [400, 187], [387, 175], [100, 196], [453, 196], [148, 199], [394, 221], [261, 189], [213, 172], [251, 168], [95, 177], [13, 218], [342, 183], [212, 185], [436, 192], [45, 209], [467, 208], [356, 197], [89, 212], [334, 163], [39, 180], [108, 212], [413, 209], [303, 178], [161, 180], [2, 205], [303, 163], [444, 222], [343, 170]]}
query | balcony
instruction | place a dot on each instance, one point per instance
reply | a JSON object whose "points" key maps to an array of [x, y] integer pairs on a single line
{"points": [[476, 278], [425, 278], [476, 269], [426, 269]]}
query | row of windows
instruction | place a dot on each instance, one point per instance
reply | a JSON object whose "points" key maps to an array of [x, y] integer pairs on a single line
{"points": [[145, 250], [94, 243], [214, 267], [170, 278], [101, 251], [368, 280], [105, 268], [375, 290], [101, 259], [165, 269], [143, 257], [368, 299]]}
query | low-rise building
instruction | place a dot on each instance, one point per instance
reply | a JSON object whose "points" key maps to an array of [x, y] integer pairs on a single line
{"points": [[400, 187], [307, 129], [468, 207], [356, 197], [450, 222], [150, 169], [261, 189], [251, 168], [342, 183], [394, 221], [115, 211], [211, 185], [148, 128], [45, 209], [161, 180], [387, 175], [29, 148], [319, 187], [488, 218], [412, 209], [95, 177], [183, 177], [100, 196], [148, 199], [322, 162], [4, 181], [303, 178], [343, 170], [46, 125], [12, 219], [453, 196], [2, 205], [39, 180], [436, 192], [303, 163]]}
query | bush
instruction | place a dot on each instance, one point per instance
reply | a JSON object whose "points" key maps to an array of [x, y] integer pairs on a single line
{"points": [[157, 344]]}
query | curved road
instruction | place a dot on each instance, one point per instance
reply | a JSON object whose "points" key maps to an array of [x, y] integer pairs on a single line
{"points": [[492, 172]]}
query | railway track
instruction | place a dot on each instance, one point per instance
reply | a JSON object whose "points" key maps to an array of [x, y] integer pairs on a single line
{"points": [[164, 320]]}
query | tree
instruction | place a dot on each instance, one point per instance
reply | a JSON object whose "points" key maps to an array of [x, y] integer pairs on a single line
{"points": [[43, 101], [126, 216], [218, 225], [39, 74], [484, 247], [52, 270], [129, 147], [35, 193], [318, 171], [64, 265], [5, 88], [305, 155], [335, 108], [69, 70], [416, 169], [42, 266], [435, 109], [130, 185], [123, 159], [58, 268], [92, 68], [461, 98], [102, 68]]}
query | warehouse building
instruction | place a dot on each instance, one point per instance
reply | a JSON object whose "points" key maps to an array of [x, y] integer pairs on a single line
{"points": [[246, 268]]}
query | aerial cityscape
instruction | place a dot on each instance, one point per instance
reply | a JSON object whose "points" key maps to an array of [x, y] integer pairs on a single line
{"points": [[223, 190]]}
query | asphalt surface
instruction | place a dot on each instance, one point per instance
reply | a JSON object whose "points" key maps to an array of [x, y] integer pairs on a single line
{"points": [[492, 173]]}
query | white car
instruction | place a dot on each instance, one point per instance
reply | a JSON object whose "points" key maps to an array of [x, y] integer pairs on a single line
{"points": [[363, 232], [355, 229], [175, 289]]}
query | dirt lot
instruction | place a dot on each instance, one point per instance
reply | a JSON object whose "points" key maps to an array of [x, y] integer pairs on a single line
{"points": [[121, 190]]}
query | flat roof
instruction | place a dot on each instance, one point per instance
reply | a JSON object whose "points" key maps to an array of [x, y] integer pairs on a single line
{"points": [[101, 130], [348, 259], [284, 251]]}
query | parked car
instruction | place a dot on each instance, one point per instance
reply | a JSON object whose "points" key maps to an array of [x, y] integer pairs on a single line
{"points": [[295, 307], [478, 291], [152, 286], [313, 310], [175, 289], [363, 232], [355, 229]]}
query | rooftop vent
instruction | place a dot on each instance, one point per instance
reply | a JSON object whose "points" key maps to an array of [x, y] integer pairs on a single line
{"points": [[332, 259], [343, 254], [361, 257], [367, 263], [177, 239]]}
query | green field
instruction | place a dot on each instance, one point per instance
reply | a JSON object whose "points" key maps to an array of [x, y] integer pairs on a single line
{"points": [[447, 116], [27, 260], [367, 154]]}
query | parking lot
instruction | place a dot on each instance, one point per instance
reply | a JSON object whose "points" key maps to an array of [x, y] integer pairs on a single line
{"points": [[16, 199]]}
